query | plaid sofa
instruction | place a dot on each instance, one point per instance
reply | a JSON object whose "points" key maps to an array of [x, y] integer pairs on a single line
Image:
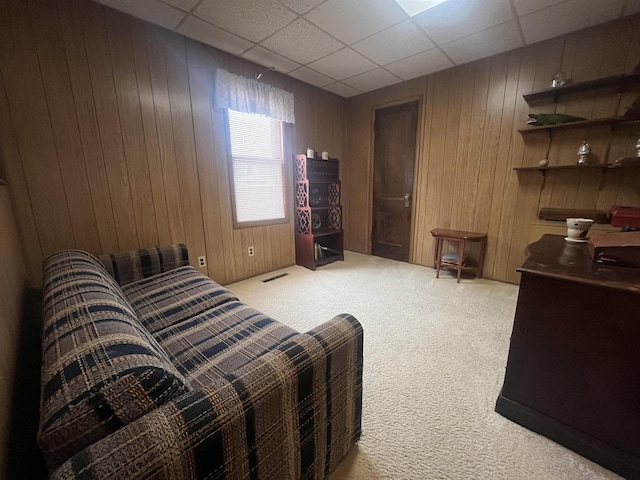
{"points": [[152, 370]]}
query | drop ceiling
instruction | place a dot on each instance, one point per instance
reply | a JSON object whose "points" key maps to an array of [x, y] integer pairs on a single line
{"points": [[350, 47]]}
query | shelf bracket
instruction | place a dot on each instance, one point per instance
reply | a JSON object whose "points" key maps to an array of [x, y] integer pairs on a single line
{"points": [[603, 175], [548, 149]]}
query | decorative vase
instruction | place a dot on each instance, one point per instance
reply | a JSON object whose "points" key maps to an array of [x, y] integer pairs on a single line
{"points": [[559, 79], [583, 153]]}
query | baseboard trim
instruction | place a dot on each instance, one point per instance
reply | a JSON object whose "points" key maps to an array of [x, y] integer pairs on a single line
{"points": [[589, 447]]}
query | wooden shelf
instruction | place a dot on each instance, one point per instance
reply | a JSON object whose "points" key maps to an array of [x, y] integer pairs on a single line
{"points": [[321, 207], [612, 81], [325, 232], [581, 123], [602, 166], [328, 259]]}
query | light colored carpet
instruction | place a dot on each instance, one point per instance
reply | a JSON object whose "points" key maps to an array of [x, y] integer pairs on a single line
{"points": [[434, 359]]}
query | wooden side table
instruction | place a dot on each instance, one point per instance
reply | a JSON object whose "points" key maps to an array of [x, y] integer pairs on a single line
{"points": [[460, 238]]}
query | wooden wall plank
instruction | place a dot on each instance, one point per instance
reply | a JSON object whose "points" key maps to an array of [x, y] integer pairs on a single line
{"points": [[13, 283], [64, 122], [164, 130], [10, 155], [201, 72], [182, 121], [422, 234], [449, 148], [514, 226], [505, 191], [490, 147], [76, 57], [128, 101], [104, 96], [27, 102], [147, 110], [468, 163]]}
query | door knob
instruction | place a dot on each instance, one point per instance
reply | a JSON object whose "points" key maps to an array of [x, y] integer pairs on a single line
{"points": [[406, 199]]}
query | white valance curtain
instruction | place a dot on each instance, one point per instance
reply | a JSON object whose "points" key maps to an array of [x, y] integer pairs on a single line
{"points": [[247, 95]]}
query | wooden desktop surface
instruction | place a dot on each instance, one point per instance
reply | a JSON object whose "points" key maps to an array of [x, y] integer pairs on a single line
{"points": [[554, 257]]}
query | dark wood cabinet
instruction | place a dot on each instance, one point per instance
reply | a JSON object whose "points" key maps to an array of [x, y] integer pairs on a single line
{"points": [[573, 372], [318, 216]]}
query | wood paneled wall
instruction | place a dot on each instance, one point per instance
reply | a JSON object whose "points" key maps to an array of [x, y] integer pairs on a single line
{"points": [[13, 282], [111, 143], [468, 145]]}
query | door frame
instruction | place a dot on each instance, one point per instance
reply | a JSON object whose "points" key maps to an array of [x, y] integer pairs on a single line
{"points": [[416, 165]]}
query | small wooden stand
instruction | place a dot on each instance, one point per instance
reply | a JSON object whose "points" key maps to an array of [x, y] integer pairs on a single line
{"points": [[460, 238]]}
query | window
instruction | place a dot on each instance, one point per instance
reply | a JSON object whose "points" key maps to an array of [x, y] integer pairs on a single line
{"points": [[257, 169]]}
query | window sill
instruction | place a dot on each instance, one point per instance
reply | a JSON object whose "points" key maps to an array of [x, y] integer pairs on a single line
{"points": [[262, 223]]}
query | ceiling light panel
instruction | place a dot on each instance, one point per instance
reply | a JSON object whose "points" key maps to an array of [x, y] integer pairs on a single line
{"points": [[414, 7], [456, 19]]}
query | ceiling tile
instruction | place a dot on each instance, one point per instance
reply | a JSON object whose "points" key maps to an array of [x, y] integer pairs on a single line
{"points": [[311, 76], [351, 21], [251, 19], [525, 7], [302, 42], [262, 56], [342, 89], [484, 44], [421, 64], [342, 64], [149, 10], [205, 32], [400, 41], [378, 78], [471, 16], [185, 5], [301, 6], [568, 17]]}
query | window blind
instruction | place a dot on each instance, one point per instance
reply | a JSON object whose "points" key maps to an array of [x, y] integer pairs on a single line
{"points": [[256, 152]]}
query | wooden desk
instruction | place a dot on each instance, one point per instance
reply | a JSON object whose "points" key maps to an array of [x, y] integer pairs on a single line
{"points": [[573, 372], [460, 238]]}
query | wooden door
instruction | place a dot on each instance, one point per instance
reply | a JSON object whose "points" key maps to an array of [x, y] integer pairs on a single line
{"points": [[394, 157]]}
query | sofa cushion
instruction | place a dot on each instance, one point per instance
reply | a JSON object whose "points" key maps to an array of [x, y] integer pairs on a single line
{"points": [[171, 297], [100, 368], [219, 341], [127, 267]]}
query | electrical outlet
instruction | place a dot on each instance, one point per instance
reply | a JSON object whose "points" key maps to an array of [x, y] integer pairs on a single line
{"points": [[251, 251], [202, 261]]}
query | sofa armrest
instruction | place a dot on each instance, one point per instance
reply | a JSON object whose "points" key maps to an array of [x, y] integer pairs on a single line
{"points": [[135, 265], [291, 413]]}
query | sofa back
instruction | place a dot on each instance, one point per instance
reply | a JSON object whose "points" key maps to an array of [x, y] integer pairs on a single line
{"points": [[101, 369], [135, 265]]}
